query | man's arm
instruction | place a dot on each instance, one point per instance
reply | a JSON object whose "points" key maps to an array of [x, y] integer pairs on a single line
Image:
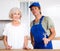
{"points": [[52, 35], [32, 39]]}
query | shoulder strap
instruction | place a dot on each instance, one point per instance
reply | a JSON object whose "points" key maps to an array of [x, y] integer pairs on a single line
{"points": [[41, 19], [33, 22]]}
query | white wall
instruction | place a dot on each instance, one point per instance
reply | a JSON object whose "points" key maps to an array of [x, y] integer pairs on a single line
{"points": [[5, 6]]}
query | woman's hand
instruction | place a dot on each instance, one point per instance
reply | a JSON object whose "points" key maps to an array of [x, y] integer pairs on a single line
{"points": [[46, 41], [8, 47], [26, 48], [6, 43], [26, 43]]}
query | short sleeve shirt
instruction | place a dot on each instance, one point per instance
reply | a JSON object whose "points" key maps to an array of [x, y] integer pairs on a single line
{"points": [[15, 35]]}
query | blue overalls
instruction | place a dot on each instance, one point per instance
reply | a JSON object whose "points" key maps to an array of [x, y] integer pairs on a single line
{"points": [[38, 34]]}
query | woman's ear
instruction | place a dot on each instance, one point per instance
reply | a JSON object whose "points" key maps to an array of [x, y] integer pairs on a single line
{"points": [[20, 15]]}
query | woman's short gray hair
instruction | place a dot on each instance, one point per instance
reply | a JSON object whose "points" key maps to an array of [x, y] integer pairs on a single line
{"points": [[13, 10]]}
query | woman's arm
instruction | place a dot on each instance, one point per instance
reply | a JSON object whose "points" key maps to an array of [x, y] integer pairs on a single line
{"points": [[25, 42], [6, 43]]}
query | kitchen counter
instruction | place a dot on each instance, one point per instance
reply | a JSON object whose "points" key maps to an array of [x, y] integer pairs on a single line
{"points": [[1, 37], [31, 50], [55, 42], [56, 38]]}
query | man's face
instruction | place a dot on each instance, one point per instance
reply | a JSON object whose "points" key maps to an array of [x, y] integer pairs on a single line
{"points": [[35, 10]]}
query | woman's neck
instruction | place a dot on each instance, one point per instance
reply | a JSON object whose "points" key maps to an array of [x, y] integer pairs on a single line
{"points": [[37, 17], [15, 23]]}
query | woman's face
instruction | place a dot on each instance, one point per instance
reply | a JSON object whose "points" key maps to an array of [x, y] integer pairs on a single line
{"points": [[16, 15], [35, 10]]}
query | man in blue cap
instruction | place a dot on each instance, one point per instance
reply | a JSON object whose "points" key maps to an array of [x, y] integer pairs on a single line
{"points": [[42, 29], [35, 4]]}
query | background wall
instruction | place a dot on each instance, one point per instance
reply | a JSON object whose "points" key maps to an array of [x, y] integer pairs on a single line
{"points": [[5, 6]]}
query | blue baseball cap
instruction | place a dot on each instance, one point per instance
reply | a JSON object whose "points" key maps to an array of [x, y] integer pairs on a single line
{"points": [[34, 4]]}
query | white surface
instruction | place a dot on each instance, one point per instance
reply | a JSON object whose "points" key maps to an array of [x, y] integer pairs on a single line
{"points": [[56, 44]]}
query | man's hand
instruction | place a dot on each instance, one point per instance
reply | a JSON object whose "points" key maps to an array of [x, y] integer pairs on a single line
{"points": [[46, 41]]}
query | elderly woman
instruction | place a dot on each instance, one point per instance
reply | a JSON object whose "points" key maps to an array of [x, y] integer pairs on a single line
{"points": [[42, 29], [15, 34]]}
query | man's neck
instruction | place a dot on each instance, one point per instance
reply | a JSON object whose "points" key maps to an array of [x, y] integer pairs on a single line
{"points": [[37, 18]]}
